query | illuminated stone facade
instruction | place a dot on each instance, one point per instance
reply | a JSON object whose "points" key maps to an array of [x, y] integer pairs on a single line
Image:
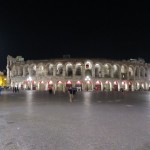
{"points": [[85, 74], [2, 79]]}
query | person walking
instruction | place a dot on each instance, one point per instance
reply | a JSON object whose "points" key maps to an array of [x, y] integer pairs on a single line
{"points": [[17, 89], [70, 91]]}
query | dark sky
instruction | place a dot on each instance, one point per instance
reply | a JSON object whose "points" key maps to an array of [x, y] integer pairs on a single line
{"points": [[41, 30]]}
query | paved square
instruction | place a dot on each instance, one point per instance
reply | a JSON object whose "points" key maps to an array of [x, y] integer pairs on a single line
{"points": [[32, 120]]}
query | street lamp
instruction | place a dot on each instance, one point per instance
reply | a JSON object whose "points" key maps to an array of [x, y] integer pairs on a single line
{"points": [[29, 79], [87, 78]]}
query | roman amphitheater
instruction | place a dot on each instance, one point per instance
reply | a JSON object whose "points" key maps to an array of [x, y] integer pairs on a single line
{"points": [[85, 74]]}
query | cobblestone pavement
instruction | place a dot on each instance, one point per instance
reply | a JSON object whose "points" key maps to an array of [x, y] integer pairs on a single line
{"points": [[32, 120]]}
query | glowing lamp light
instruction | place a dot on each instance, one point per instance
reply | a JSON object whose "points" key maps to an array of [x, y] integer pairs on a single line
{"points": [[78, 82], [115, 82], [88, 82], [50, 82], [106, 82], [87, 78], [29, 79], [42, 82], [123, 83], [97, 82], [59, 82], [68, 82]]}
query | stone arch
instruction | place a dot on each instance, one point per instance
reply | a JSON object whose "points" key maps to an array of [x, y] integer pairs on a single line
{"points": [[142, 72], [59, 69], [137, 71], [98, 70], [49, 69], [78, 69], [116, 86], [26, 70], [88, 64], [69, 69], [32, 69], [107, 86], [107, 70], [40, 69], [124, 71], [131, 72], [88, 67], [116, 71]]}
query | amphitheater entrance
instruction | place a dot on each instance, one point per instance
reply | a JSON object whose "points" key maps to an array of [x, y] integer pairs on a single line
{"points": [[88, 86], [142, 86], [137, 86], [115, 87], [59, 86], [98, 86], [41, 86], [130, 86], [124, 85], [107, 86], [68, 85], [78, 86], [34, 85], [50, 85]]}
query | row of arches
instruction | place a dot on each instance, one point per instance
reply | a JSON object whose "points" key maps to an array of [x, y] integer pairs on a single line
{"points": [[98, 70], [86, 85]]}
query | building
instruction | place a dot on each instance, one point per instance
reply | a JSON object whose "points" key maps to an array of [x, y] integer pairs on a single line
{"points": [[85, 74], [3, 81]]}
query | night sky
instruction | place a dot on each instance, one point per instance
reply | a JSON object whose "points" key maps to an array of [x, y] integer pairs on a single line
{"points": [[45, 30]]}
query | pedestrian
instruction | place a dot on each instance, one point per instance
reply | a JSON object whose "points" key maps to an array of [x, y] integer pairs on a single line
{"points": [[70, 91], [74, 90], [13, 89], [17, 89]]}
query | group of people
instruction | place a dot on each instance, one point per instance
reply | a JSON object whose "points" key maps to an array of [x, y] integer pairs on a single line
{"points": [[15, 89], [71, 91]]}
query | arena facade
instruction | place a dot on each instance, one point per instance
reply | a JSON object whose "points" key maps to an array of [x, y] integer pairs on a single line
{"points": [[85, 74]]}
